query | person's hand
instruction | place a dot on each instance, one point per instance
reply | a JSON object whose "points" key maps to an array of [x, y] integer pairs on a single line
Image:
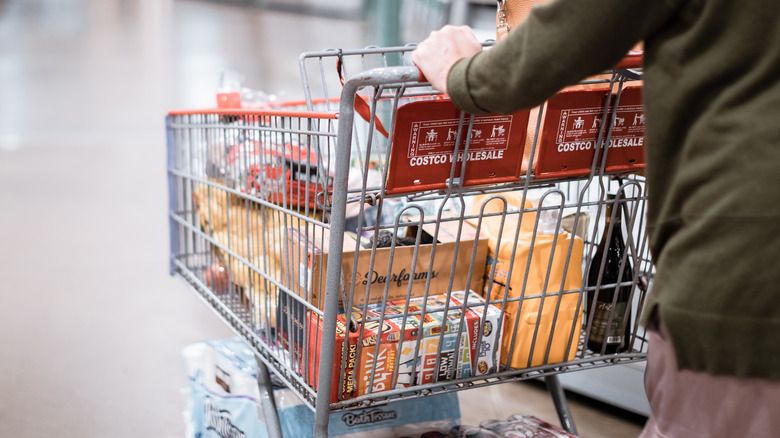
{"points": [[441, 50]]}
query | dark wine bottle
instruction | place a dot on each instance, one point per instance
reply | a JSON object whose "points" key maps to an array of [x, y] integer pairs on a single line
{"points": [[610, 314]]}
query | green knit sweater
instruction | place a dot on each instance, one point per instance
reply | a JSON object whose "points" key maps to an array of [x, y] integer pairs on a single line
{"points": [[712, 103]]}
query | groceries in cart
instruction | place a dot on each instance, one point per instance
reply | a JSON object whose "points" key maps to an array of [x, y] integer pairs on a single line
{"points": [[610, 281], [389, 273], [362, 217], [535, 267], [232, 94], [246, 150], [405, 343], [246, 257], [289, 174]]}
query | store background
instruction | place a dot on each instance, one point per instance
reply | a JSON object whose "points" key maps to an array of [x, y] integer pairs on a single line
{"points": [[91, 324]]}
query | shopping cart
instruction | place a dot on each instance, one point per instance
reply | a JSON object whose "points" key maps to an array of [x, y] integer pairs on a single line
{"points": [[372, 243]]}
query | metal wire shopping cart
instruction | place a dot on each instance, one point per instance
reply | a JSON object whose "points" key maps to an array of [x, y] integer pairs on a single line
{"points": [[372, 243]]}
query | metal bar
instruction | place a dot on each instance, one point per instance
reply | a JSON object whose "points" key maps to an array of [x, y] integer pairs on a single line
{"points": [[171, 191], [267, 401], [337, 224], [561, 405], [213, 126]]}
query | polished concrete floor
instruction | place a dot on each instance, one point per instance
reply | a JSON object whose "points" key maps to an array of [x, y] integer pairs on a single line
{"points": [[91, 324]]}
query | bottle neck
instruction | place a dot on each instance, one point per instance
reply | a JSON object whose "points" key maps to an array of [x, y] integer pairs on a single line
{"points": [[611, 223]]}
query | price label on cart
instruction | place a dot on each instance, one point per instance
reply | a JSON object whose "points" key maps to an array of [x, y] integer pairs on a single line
{"points": [[427, 134], [572, 122], [627, 141]]}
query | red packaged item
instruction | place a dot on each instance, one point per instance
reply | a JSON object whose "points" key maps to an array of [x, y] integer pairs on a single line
{"points": [[290, 175], [363, 361], [285, 174]]}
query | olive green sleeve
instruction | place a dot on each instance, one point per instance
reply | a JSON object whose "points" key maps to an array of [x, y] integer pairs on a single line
{"points": [[561, 43]]}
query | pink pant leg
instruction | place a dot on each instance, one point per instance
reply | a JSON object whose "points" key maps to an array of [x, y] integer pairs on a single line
{"points": [[688, 404]]}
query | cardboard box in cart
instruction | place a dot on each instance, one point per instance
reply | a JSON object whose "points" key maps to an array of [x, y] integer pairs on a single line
{"points": [[439, 340], [462, 359], [492, 326], [309, 258], [472, 357]]}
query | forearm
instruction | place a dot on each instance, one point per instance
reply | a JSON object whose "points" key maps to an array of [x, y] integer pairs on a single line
{"points": [[561, 43]]}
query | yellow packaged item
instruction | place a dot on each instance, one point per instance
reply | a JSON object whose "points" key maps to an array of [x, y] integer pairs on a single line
{"points": [[540, 318], [256, 234]]}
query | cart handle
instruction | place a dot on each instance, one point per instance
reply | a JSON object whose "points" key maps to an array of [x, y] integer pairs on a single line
{"points": [[633, 59], [361, 104]]}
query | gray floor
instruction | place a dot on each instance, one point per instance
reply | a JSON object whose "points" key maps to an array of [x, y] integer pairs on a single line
{"points": [[91, 324]]}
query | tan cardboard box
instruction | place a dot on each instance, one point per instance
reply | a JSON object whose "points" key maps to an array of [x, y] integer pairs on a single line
{"points": [[308, 258]]}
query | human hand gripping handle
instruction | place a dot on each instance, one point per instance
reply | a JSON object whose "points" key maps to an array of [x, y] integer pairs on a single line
{"points": [[436, 55]]}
